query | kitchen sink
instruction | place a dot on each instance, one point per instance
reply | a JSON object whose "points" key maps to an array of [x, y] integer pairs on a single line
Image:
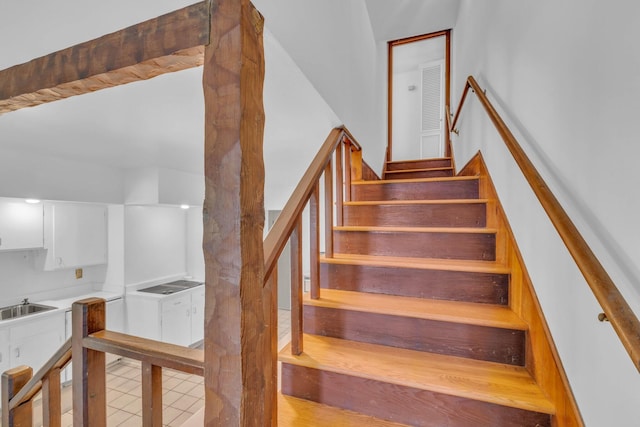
{"points": [[171, 288], [20, 310]]}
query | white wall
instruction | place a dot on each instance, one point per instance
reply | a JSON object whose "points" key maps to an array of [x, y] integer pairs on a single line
{"points": [[41, 176], [565, 77], [332, 43], [155, 243]]}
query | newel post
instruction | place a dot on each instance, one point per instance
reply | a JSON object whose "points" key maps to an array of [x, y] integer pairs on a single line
{"points": [[89, 372], [239, 386], [12, 382]]}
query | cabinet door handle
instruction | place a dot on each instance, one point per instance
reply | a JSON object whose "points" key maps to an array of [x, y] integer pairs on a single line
{"points": [[18, 352], [188, 313]]}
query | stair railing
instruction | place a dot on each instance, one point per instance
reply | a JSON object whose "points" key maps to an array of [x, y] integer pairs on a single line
{"points": [[19, 387], [88, 345], [338, 162], [615, 307]]}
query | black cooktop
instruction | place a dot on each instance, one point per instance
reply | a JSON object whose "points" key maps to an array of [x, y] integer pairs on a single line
{"points": [[171, 287]]}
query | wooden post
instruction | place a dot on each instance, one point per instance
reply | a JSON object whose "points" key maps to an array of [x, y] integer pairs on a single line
{"points": [[151, 395], [12, 382], [51, 399], [314, 242], [238, 357], [328, 210], [296, 288], [339, 185], [89, 373], [347, 170]]}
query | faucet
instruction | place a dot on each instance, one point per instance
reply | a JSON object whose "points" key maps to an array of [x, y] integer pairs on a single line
{"points": [[25, 301]]}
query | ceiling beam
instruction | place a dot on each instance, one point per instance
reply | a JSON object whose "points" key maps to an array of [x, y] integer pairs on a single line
{"points": [[168, 43]]}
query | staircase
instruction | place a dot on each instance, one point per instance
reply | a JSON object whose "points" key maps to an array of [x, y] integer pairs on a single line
{"points": [[414, 324]]}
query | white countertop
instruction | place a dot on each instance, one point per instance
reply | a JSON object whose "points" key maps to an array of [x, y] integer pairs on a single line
{"points": [[66, 303]]}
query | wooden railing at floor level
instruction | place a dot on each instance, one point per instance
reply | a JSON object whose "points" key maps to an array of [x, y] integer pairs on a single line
{"points": [[88, 346], [338, 162], [615, 307]]}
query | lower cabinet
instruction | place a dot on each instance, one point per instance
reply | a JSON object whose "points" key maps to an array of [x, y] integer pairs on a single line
{"points": [[176, 319], [32, 342], [4, 350]]}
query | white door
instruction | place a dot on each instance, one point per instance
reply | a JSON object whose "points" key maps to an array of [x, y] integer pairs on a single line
{"points": [[432, 110]]}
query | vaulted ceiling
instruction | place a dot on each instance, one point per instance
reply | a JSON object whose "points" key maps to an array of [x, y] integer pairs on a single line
{"points": [[155, 122]]}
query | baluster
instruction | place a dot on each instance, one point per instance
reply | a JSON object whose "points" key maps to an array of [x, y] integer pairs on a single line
{"points": [[12, 382], [314, 242], [89, 374], [51, 399], [296, 288], [151, 395], [339, 185], [328, 210], [347, 169]]}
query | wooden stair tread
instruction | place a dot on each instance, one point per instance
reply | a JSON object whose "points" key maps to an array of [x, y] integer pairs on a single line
{"points": [[404, 181], [484, 381], [418, 170], [367, 228], [418, 160], [415, 202], [422, 263], [440, 310], [294, 412]]}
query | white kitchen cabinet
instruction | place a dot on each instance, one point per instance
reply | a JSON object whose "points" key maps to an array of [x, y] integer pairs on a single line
{"points": [[4, 350], [75, 235], [32, 342], [176, 319], [21, 225], [197, 314]]}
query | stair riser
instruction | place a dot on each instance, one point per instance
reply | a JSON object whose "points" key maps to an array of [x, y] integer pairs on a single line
{"points": [[445, 245], [409, 174], [400, 403], [454, 339], [421, 164], [417, 215], [426, 190], [485, 288]]}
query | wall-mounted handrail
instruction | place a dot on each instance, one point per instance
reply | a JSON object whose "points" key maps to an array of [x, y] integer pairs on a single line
{"points": [[615, 307]]}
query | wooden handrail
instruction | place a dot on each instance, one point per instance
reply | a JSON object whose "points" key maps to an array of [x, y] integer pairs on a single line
{"points": [[188, 360], [282, 229], [58, 361], [615, 307]]}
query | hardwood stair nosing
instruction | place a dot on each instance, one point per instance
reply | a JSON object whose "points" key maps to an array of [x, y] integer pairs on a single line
{"points": [[416, 180], [471, 266], [488, 315], [436, 169], [411, 202], [490, 382], [389, 229], [418, 160]]}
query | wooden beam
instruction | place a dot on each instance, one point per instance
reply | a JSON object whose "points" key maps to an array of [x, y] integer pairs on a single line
{"points": [[168, 43], [238, 359]]}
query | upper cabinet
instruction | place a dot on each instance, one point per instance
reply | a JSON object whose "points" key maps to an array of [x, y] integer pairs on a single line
{"points": [[21, 225], [75, 235]]}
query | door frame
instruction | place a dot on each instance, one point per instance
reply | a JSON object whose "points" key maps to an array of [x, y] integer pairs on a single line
{"points": [[447, 83]]}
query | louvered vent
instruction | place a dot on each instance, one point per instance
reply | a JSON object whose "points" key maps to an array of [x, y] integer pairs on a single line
{"points": [[431, 84]]}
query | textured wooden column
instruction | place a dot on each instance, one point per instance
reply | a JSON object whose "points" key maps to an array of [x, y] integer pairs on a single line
{"points": [[238, 360]]}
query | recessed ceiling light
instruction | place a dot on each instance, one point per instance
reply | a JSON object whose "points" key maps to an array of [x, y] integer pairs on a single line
{"points": [[184, 206], [32, 201]]}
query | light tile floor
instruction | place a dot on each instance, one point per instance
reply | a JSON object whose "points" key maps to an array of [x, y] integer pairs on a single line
{"points": [[183, 394]]}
